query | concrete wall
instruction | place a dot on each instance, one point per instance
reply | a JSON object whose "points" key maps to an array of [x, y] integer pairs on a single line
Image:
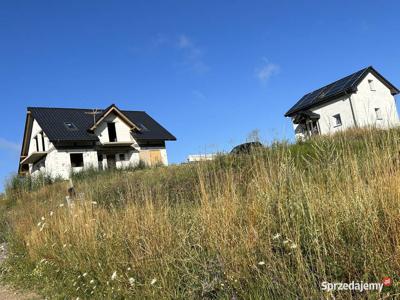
{"points": [[58, 162]]}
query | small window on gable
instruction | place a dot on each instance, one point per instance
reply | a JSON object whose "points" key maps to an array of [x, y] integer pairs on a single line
{"points": [[338, 120], [378, 113], [371, 85], [76, 160], [70, 126]]}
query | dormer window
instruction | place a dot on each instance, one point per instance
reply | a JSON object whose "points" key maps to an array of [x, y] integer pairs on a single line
{"points": [[112, 133], [70, 126], [371, 85]]}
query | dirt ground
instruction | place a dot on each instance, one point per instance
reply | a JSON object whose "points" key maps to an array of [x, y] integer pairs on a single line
{"points": [[8, 293]]}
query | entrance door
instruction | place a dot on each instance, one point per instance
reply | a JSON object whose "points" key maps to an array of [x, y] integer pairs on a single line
{"points": [[111, 161]]}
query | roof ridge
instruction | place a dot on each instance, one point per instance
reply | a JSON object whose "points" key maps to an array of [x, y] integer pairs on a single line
{"points": [[72, 108]]}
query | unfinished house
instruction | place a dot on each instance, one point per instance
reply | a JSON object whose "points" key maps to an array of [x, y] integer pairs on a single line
{"points": [[58, 141]]}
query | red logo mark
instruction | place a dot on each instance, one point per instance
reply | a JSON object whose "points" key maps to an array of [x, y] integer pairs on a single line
{"points": [[387, 281]]}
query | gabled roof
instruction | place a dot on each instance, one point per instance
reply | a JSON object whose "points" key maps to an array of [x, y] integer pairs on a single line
{"points": [[346, 85], [53, 123], [113, 109]]}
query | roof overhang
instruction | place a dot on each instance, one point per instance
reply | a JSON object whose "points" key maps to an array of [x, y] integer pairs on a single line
{"points": [[114, 109], [117, 144], [33, 157]]}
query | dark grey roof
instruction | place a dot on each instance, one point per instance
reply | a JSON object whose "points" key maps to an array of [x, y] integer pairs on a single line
{"points": [[346, 85], [52, 121]]}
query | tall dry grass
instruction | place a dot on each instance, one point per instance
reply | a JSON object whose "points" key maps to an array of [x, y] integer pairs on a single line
{"points": [[271, 225]]}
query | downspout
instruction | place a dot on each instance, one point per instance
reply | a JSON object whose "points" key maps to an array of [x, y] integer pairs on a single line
{"points": [[352, 111]]}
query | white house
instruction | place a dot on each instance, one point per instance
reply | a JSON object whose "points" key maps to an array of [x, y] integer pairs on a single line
{"points": [[364, 98], [58, 141]]}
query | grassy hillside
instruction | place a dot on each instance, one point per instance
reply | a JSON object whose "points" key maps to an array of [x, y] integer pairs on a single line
{"points": [[272, 225]]}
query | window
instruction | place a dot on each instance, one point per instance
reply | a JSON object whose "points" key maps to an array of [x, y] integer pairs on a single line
{"points": [[338, 120], [112, 134], [43, 144], [70, 126], [100, 161], [122, 157], [378, 113], [76, 160], [371, 84], [36, 143]]}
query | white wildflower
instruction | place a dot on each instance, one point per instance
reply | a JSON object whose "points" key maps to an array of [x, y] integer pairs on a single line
{"points": [[43, 218], [51, 213], [41, 228], [128, 269], [114, 275], [84, 274], [261, 263], [276, 236], [286, 241], [79, 276], [293, 246], [131, 281], [91, 281], [39, 224], [62, 205], [94, 202], [153, 281]]}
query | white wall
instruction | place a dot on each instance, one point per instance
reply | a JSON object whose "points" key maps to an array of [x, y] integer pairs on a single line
{"points": [[36, 131], [365, 101], [58, 162], [123, 130]]}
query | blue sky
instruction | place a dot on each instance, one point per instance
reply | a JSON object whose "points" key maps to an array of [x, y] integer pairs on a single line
{"points": [[209, 71]]}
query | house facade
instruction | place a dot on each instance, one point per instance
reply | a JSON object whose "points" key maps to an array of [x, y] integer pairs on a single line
{"points": [[59, 141], [364, 98]]}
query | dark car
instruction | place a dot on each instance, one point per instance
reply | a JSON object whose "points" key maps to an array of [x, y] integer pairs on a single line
{"points": [[246, 148]]}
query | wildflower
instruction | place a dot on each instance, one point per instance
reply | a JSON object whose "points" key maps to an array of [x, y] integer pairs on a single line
{"points": [[114, 275], [39, 224], [131, 281], [51, 213], [91, 281], [128, 269], [62, 205], [293, 246], [41, 228], [94, 202], [43, 218], [79, 276], [286, 241], [84, 274], [153, 281], [65, 245], [261, 263], [276, 236]]}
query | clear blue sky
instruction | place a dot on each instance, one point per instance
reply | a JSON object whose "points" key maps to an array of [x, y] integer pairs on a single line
{"points": [[209, 71]]}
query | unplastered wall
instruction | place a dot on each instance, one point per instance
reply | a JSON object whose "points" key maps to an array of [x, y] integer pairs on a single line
{"points": [[58, 162], [365, 101]]}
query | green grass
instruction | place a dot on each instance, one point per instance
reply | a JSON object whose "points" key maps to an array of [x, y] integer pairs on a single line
{"points": [[270, 225]]}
